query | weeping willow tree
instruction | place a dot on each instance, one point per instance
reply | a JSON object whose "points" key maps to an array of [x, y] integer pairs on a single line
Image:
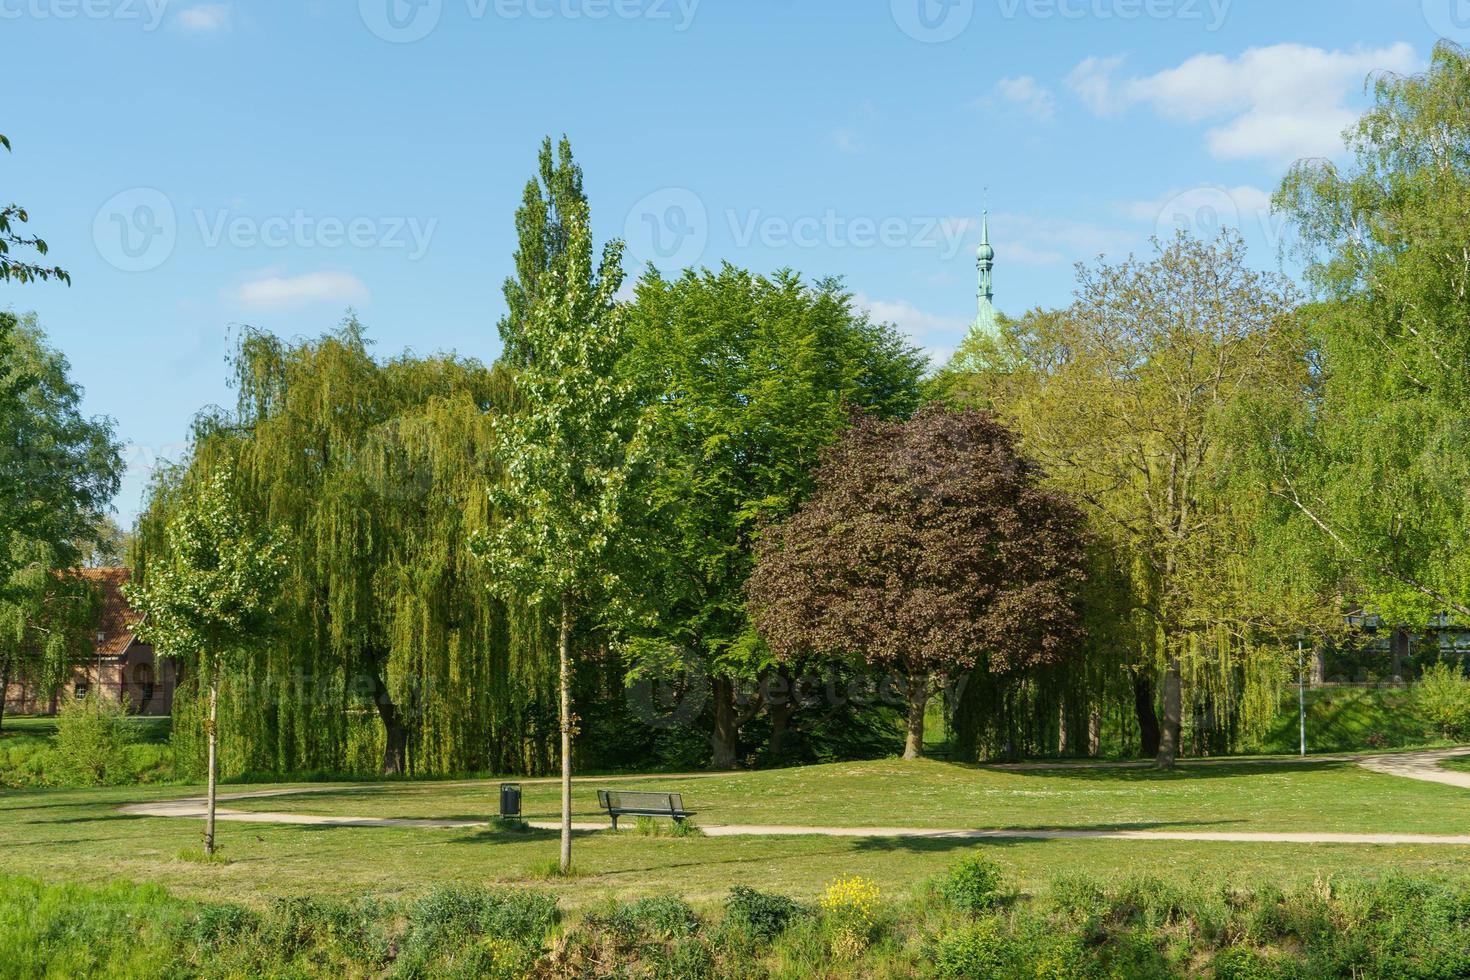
{"points": [[393, 655], [1132, 399]]}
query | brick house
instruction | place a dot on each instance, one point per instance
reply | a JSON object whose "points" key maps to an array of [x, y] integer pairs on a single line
{"points": [[120, 666]]}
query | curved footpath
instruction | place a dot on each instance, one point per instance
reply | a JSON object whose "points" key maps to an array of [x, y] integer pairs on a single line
{"points": [[1423, 766]]}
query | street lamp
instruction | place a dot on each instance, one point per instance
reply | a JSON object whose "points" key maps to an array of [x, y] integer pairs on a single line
{"points": [[1301, 689]]}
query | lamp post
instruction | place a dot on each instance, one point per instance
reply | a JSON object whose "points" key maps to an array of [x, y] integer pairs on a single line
{"points": [[1301, 690]]}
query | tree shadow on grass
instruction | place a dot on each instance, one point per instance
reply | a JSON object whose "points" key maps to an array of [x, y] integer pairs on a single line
{"points": [[1185, 772]]}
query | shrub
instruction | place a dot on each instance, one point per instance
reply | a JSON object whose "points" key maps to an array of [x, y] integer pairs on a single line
{"points": [[759, 916], [982, 949], [972, 885], [92, 742], [851, 909], [666, 917], [1442, 699]]}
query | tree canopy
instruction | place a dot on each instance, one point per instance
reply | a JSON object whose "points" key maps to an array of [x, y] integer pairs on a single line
{"points": [[929, 546]]}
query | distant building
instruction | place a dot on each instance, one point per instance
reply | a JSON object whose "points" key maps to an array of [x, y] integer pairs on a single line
{"points": [[120, 667]]}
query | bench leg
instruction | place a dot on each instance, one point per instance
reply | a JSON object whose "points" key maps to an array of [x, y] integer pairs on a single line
{"points": [[614, 820]]}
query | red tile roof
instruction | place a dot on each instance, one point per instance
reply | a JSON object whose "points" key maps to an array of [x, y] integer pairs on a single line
{"points": [[115, 629]]}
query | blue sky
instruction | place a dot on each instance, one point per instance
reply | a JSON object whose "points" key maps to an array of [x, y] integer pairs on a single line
{"points": [[201, 165]]}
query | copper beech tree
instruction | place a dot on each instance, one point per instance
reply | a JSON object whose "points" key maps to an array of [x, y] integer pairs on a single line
{"points": [[928, 548]]}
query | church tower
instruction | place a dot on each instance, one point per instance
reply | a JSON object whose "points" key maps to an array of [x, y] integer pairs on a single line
{"points": [[986, 321]]}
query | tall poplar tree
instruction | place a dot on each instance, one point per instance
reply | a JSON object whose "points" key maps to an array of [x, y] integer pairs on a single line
{"points": [[574, 455]]}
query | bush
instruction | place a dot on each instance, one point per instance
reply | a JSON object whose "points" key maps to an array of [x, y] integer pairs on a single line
{"points": [[972, 885], [979, 950], [759, 916], [1442, 698], [851, 909], [93, 741]]}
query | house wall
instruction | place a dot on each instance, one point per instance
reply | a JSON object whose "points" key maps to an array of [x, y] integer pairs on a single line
{"points": [[148, 683]]}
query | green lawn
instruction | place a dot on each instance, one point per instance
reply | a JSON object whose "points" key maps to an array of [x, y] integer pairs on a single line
{"points": [[1324, 796], [79, 834]]}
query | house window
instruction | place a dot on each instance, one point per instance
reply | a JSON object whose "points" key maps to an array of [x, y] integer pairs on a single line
{"points": [[82, 688]]}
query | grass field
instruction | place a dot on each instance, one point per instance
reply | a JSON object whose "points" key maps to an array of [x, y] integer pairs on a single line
{"points": [[1326, 796], [79, 835]]}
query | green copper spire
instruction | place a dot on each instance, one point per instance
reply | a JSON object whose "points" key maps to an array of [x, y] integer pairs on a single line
{"points": [[986, 320]]}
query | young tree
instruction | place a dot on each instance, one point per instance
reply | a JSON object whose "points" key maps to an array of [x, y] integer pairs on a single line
{"points": [[211, 596], [928, 546], [755, 377], [574, 457], [12, 268]]}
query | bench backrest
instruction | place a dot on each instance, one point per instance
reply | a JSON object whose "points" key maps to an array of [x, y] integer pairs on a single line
{"points": [[620, 800]]}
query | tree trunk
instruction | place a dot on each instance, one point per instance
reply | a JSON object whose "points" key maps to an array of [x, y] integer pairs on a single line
{"points": [[1148, 718], [213, 731], [4, 691], [918, 694], [1173, 714], [565, 686], [1062, 741], [395, 733], [781, 711], [1094, 733], [725, 739]]}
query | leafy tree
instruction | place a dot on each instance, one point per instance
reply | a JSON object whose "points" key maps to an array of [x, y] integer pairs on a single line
{"points": [[550, 208], [48, 616], [392, 654], [212, 595], [1129, 399], [58, 472], [58, 468], [1374, 463], [574, 458], [755, 377], [13, 269], [928, 547]]}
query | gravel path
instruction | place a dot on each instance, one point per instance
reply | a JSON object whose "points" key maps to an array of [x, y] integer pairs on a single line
{"points": [[1409, 765]]}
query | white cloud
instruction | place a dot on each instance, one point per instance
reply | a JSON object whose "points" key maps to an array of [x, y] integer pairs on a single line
{"points": [[275, 292], [1276, 103], [937, 335], [205, 18], [1245, 200], [1025, 92]]}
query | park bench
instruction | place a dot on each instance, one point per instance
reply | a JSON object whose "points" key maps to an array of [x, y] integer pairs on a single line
{"points": [[621, 804]]}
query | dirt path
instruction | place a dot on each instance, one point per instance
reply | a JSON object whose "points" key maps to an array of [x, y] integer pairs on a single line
{"points": [[1411, 765]]}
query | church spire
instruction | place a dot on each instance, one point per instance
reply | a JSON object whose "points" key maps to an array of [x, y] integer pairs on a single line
{"points": [[986, 320]]}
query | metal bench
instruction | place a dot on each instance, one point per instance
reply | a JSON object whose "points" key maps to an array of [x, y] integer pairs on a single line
{"points": [[621, 804]]}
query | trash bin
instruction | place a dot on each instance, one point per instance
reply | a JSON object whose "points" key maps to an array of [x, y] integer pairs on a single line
{"points": [[510, 799]]}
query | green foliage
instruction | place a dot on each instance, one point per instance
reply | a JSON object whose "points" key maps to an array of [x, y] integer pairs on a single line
{"points": [[760, 916], [62, 468], [1372, 466], [377, 470], [1442, 698], [755, 376], [93, 737], [13, 269], [215, 589], [972, 885]]}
